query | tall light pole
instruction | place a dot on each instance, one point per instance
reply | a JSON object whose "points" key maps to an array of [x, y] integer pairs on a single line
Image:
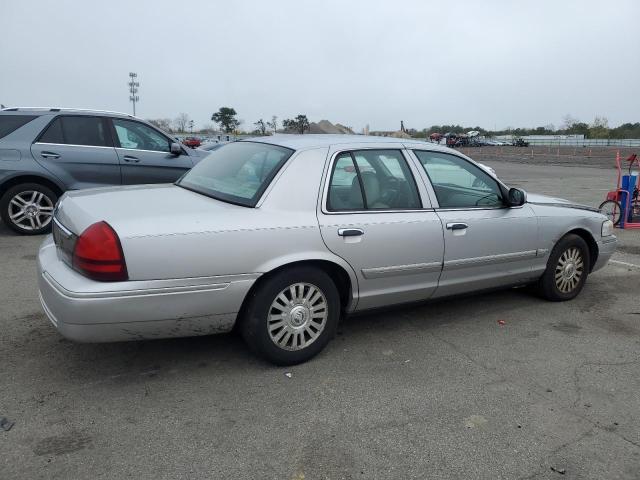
{"points": [[133, 90]]}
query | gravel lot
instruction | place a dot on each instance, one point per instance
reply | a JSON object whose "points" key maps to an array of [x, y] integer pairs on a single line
{"points": [[436, 391]]}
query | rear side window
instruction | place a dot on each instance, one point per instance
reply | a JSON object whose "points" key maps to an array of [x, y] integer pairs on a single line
{"points": [[372, 180], [238, 172], [89, 131], [10, 123]]}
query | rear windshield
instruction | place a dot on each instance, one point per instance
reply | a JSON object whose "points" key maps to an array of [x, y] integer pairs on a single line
{"points": [[237, 172], [10, 123]]}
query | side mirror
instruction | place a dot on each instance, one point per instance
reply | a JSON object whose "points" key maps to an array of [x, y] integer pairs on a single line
{"points": [[176, 149], [517, 197]]}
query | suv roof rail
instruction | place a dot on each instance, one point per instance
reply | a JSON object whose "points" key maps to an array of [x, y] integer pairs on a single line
{"points": [[62, 109]]}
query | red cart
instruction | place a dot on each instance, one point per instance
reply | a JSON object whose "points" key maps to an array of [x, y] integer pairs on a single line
{"points": [[624, 201]]}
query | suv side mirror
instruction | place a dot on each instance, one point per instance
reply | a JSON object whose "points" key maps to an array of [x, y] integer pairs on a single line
{"points": [[176, 149], [517, 197]]}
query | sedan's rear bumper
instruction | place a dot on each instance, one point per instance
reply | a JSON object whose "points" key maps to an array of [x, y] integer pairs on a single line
{"points": [[88, 311]]}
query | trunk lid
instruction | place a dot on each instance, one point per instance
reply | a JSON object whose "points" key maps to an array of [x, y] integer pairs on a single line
{"points": [[145, 210]]}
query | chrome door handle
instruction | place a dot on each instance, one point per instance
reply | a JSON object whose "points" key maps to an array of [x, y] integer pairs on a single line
{"points": [[350, 232], [130, 159], [457, 226], [49, 155]]}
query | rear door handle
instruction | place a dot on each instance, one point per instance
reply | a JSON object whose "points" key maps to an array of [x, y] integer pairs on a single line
{"points": [[130, 159], [49, 155], [350, 232], [457, 226]]}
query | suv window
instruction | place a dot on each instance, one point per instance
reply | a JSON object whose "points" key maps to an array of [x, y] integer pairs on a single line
{"points": [[10, 123], [137, 136], [459, 183], [89, 131], [372, 180]]}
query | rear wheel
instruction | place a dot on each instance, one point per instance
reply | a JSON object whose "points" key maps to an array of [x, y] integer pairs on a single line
{"points": [[292, 315], [567, 269], [612, 210], [28, 208]]}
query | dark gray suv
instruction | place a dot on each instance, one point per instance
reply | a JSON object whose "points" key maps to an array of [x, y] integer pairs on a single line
{"points": [[46, 151]]}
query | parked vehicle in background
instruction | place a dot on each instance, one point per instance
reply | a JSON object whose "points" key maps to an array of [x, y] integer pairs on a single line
{"points": [[436, 137], [520, 142], [192, 142], [47, 151], [283, 235]]}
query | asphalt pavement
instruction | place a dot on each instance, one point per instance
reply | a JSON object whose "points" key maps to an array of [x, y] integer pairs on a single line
{"points": [[494, 386]]}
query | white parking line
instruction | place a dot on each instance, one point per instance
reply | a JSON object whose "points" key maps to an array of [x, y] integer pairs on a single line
{"points": [[626, 264]]}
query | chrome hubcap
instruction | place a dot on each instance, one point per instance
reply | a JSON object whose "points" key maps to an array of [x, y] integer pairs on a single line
{"points": [[569, 270], [31, 210], [297, 316]]}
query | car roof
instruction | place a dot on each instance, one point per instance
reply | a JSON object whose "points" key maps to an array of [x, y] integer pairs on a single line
{"points": [[57, 110], [308, 141]]}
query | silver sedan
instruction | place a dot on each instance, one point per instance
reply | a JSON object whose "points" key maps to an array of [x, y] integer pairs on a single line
{"points": [[284, 235]]}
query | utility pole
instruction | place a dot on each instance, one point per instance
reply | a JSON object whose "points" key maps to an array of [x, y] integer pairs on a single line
{"points": [[191, 125], [133, 90]]}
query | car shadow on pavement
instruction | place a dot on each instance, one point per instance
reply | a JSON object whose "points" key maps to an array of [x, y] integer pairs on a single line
{"points": [[125, 362]]}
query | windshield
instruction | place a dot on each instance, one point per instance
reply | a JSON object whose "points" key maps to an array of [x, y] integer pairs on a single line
{"points": [[237, 172]]}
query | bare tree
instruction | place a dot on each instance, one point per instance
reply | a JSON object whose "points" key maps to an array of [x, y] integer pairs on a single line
{"points": [[181, 122], [273, 124], [208, 128], [262, 126], [161, 123], [569, 121], [600, 122]]}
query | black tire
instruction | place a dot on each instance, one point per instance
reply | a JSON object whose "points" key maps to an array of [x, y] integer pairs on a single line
{"points": [[48, 201], [557, 290], [612, 210], [256, 321]]}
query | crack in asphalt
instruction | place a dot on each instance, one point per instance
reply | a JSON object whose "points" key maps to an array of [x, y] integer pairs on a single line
{"points": [[544, 397]]}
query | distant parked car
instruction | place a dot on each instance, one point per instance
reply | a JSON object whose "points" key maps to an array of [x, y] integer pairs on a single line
{"points": [[47, 151], [520, 142], [284, 235], [192, 142]]}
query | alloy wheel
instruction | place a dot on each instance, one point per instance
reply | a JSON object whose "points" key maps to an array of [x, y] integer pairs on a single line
{"points": [[31, 210]]}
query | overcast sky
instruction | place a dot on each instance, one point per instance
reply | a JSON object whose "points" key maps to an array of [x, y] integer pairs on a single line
{"points": [[490, 63]]}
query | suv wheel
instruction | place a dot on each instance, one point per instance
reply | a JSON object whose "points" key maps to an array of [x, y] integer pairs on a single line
{"points": [[292, 315], [28, 208]]}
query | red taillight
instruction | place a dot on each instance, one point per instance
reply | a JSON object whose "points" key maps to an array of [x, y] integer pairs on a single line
{"points": [[98, 254]]}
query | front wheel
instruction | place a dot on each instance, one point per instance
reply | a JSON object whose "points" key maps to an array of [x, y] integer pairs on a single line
{"points": [[612, 210], [567, 269], [292, 315], [28, 208]]}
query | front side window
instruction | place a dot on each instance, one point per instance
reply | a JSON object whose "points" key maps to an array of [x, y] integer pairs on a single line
{"points": [[372, 180], [237, 173], [137, 136], [458, 183], [88, 131]]}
